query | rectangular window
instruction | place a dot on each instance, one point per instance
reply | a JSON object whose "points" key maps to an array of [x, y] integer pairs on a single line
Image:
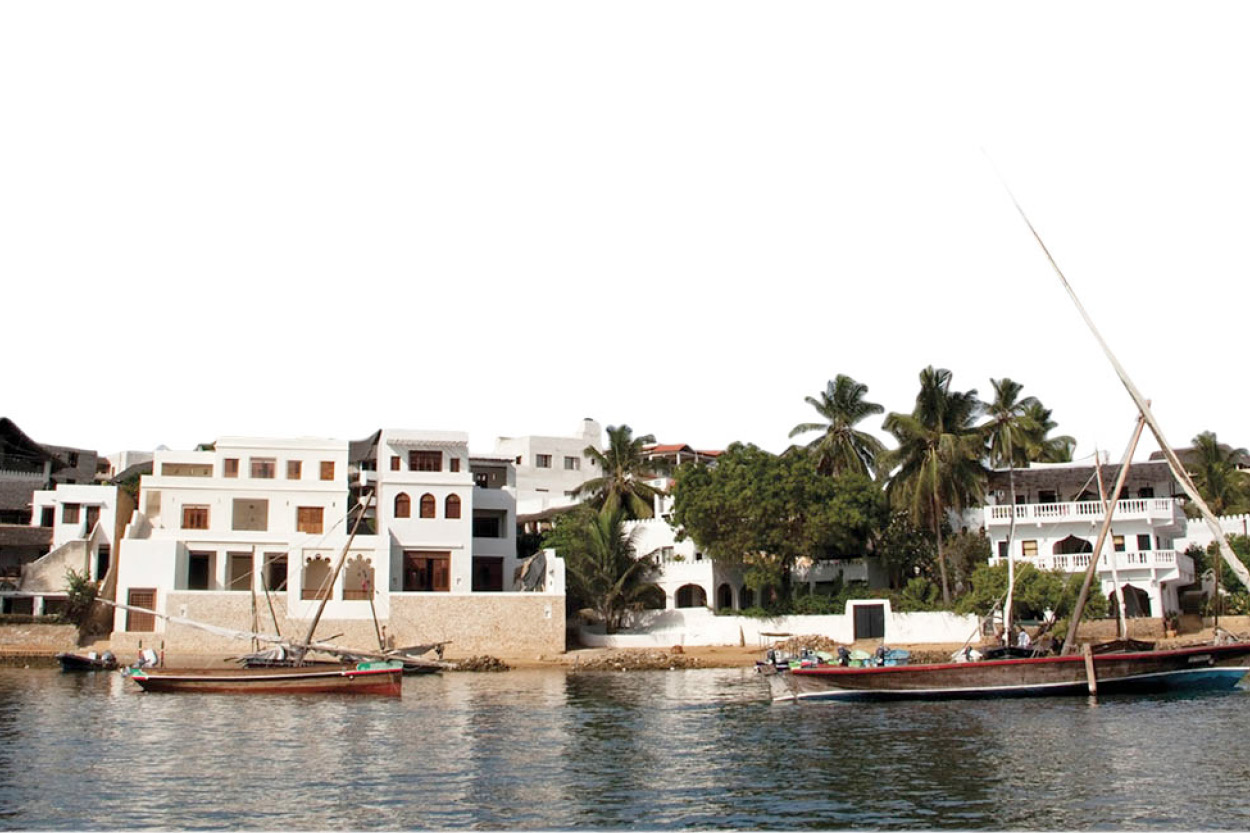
{"points": [[240, 575], [1117, 543], [308, 519], [250, 515], [145, 598], [199, 570], [1002, 549], [294, 469], [230, 467], [1045, 496], [453, 463], [395, 460], [264, 468], [274, 572], [1143, 542], [69, 513], [542, 461], [487, 526], [572, 463], [47, 516], [425, 461], [93, 517], [194, 517], [1028, 548], [327, 469]]}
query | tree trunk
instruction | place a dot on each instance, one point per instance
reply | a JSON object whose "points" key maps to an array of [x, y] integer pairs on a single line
{"points": [[937, 528]]}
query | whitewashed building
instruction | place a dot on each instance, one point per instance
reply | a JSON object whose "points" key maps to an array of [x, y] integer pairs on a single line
{"points": [[1058, 515], [549, 469], [253, 528]]}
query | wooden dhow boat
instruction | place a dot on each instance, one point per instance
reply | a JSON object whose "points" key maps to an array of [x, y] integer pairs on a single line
{"points": [[1120, 667], [1191, 668], [374, 677]]}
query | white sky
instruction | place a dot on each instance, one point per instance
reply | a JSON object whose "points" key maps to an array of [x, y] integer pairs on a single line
{"points": [[286, 219]]}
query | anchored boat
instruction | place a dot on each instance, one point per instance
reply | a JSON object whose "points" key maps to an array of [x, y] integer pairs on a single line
{"points": [[1193, 668]]}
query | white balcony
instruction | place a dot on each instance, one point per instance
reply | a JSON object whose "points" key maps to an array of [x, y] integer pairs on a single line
{"points": [[1161, 565], [1155, 511]]}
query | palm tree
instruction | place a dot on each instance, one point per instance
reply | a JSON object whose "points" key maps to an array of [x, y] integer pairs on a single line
{"points": [[1213, 467], [604, 570], [1039, 446], [625, 471], [937, 464], [1006, 432], [840, 447]]}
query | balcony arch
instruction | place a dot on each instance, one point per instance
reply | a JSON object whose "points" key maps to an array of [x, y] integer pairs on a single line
{"points": [[1071, 546], [724, 597]]}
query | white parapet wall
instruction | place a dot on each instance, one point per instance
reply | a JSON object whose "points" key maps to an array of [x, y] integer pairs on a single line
{"points": [[702, 627]]}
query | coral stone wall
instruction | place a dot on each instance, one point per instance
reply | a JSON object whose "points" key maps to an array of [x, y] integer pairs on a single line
{"points": [[499, 624]]}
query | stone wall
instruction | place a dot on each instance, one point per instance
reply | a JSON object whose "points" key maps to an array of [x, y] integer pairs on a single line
{"points": [[499, 624], [51, 638]]}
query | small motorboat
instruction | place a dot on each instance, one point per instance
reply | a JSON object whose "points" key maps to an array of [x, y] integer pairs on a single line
{"points": [[90, 661]]}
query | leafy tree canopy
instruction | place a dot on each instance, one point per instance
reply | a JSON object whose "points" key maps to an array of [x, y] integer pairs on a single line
{"points": [[766, 511], [625, 472], [1036, 592]]}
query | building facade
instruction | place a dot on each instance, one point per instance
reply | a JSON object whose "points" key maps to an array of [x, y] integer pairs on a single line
{"points": [[1058, 514]]}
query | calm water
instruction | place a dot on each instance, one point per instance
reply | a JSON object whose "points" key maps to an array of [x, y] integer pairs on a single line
{"points": [[655, 750]]}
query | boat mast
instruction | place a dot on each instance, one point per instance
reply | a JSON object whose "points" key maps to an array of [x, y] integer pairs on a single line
{"points": [[338, 567], [1069, 641], [1115, 573], [1178, 470]]}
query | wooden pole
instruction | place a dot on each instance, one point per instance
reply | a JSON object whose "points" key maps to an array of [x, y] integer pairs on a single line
{"points": [[1069, 642], [1091, 679], [1115, 574], [325, 597]]}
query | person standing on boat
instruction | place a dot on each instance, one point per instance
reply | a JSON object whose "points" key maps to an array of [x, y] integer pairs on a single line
{"points": [[1022, 639]]}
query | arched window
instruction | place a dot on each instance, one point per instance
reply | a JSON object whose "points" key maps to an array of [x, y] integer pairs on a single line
{"points": [[403, 505], [691, 595], [428, 505], [452, 509]]}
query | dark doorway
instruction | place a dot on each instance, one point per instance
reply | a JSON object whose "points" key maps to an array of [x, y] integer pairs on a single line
{"points": [[487, 575], [869, 621]]}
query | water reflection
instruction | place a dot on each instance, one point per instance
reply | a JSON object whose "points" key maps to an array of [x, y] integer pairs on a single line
{"points": [[641, 750]]}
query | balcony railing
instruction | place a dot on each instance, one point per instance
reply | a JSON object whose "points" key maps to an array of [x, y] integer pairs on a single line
{"points": [[1138, 560], [1086, 510]]}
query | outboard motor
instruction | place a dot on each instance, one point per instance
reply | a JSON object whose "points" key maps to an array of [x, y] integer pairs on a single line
{"points": [[844, 656]]}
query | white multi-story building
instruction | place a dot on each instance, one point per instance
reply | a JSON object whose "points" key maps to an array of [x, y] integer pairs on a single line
{"points": [[266, 517], [549, 469], [1058, 516]]}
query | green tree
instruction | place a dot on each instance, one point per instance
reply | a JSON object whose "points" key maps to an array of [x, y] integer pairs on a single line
{"points": [[906, 550], [937, 465], [1039, 446], [1213, 467], [1036, 592], [965, 552], [625, 472], [841, 447], [80, 594], [604, 571], [764, 512], [1007, 433]]}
